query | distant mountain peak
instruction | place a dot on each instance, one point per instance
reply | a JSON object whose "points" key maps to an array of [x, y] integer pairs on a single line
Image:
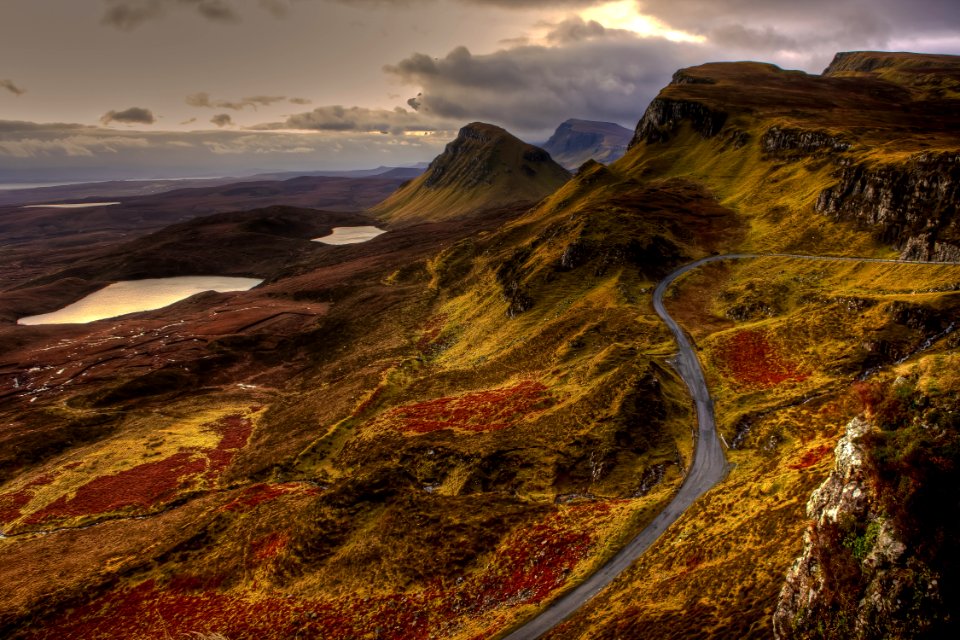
{"points": [[483, 167], [575, 141]]}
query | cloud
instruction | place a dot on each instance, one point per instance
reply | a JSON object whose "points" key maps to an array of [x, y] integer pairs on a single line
{"points": [[787, 25], [203, 100], [70, 145], [133, 115], [8, 127], [576, 29], [222, 120], [534, 88], [61, 151], [264, 101], [130, 14], [11, 87], [359, 119], [188, 121], [506, 4]]}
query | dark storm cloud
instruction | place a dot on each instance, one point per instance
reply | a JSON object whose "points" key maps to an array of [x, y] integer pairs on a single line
{"points": [[202, 99], [359, 119], [11, 87], [533, 88], [130, 14], [133, 115], [222, 120]]}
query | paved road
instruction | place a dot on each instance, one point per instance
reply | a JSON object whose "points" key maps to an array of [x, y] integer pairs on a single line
{"points": [[708, 468], [709, 464]]}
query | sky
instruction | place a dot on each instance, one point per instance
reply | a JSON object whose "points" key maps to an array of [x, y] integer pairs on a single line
{"points": [[96, 89]]}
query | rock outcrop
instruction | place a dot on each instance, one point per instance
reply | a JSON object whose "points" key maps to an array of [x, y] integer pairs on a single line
{"points": [[782, 141], [664, 116], [855, 577], [912, 205]]}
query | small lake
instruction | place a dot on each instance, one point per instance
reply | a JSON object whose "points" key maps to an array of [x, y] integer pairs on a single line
{"points": [[350, 235], [130, 296], [70, 205]]}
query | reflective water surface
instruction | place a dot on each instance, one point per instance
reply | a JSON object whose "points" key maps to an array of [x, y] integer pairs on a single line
{"points": [[350, 235], [130, 296]]}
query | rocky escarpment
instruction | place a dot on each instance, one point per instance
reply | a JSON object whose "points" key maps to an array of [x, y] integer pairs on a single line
{"points": [[912, 205], [855, 577], [783, 141], [664, 116]]}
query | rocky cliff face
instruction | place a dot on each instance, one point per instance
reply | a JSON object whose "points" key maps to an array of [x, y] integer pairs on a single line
{"points": [[855, 577], [664, 115], [787, 140], [912, 205]]}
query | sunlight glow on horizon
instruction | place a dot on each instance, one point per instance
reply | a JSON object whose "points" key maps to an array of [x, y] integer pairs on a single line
{"points": [[623, 14]]}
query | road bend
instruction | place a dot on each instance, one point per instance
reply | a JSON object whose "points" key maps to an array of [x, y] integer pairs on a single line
{"points": [[709, 465]]}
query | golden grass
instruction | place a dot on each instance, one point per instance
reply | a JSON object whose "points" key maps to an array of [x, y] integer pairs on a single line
{"points": [[718, 571]]}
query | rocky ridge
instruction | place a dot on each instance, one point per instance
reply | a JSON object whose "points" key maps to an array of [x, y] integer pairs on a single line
{"points": [[664, 116], [911, 204]]}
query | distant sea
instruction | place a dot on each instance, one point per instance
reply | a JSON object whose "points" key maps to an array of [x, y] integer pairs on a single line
{"points": [[10, 186]]}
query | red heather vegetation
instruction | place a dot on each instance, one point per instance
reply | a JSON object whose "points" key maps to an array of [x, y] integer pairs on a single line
{"points": [[155, 483], [234, 433], [749, 358], [431, 331], [141, 487], [811, 457], [532, 564], [490, 410], [889, 406], [260, 493], [269, 546], [536, 561], [13, 501]]}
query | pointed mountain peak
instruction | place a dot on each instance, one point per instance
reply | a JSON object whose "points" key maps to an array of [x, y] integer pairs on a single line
{"points": [[485, 167]]}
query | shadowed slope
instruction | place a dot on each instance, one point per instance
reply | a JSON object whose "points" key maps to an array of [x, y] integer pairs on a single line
{"points": [[484, 168]]}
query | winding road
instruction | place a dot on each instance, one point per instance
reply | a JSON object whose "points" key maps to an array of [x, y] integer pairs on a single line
{"points": [[709, 465]]}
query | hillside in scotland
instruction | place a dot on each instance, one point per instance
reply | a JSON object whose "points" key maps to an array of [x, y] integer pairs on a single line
{"points": [[440, 431]]}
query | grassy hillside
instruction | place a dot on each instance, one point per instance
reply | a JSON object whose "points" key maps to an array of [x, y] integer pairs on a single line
{"points": [[484, 168]]}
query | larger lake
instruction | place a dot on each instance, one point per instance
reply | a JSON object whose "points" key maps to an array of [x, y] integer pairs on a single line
{"points": [[130, 296]]}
